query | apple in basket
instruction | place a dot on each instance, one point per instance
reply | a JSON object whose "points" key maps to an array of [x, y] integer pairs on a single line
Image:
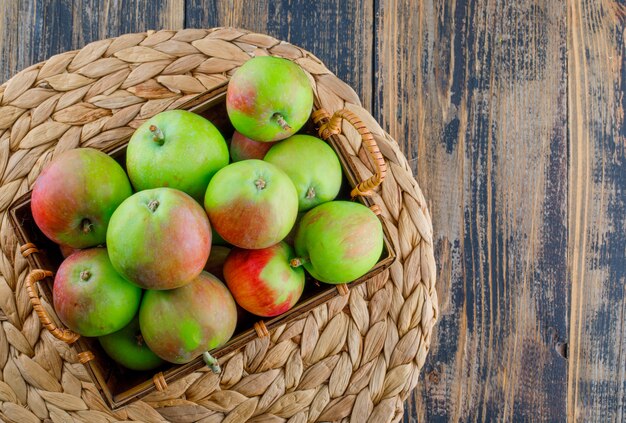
{"points": [[176, 149], [90, 297], [128, 348], [339, 241], [269, 98], [262, 281], [243, 148], [312, 166], [252, 204], [159, 238], [180, 324], [75, 195]]}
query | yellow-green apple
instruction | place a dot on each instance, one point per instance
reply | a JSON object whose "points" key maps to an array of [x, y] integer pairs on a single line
{"points": [[269, 98], [182, 323], [252, 204], [127, 347], [90, 297], [75, 196], [312, 166], [159, 238], [176, 149], [338, 241], [263, 281]]}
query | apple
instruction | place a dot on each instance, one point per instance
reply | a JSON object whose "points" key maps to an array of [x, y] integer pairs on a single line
{"points": [[262, 281], [159, 238], [252, 204], [90, 297], [75, 195], [67, 251], [176, 149], [339, 241], [243, 148], [127, 347], [269, 98], [312, 166], [215, 264], [182, 323]]}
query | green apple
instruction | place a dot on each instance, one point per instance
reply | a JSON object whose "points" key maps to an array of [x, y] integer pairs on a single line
{"points": [[159, 238], [180, 324], [176, 149], [252, 204], [339, 241], [269, 98], [312, 166], [90, 297], [128, 348]]}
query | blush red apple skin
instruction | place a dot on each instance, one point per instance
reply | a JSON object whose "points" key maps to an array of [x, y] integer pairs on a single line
{"points": [[186, 153], [159, 239], [262, 281], [312, 166], [251, 204], [180, 324], [339, 241], [90, 297], [269, 98], [75, 195], [127, 347], [244, 148]]}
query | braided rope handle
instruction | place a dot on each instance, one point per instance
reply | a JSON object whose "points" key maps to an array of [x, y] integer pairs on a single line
{"points": [[33, 277], [332, 126]]}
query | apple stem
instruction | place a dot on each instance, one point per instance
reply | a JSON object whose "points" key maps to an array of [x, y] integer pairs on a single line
{"points": [[86, 226], [298, 261], [260, 183], [153, 205], [211, 362], [158, 136], [310, 193], [85, 275], [281, 121]]}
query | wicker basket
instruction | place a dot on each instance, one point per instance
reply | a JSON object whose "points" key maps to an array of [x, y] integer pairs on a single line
{"points": [[353, 357]]}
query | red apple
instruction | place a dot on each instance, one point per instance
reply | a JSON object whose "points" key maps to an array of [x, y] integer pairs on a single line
{"points": [[244, 148], [159, 238], [75, 196], [251, 204], [262, 281]]}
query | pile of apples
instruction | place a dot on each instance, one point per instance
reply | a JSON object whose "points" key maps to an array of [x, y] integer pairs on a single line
{"points": [[138, 241]]}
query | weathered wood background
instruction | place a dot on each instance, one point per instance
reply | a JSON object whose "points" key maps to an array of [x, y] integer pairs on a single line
{"points": [[512, 115]]}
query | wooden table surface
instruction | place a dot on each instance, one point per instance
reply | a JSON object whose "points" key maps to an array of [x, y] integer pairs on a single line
{"points": [[511, 113]]}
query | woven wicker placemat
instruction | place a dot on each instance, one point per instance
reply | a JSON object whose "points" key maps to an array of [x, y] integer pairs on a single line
{"points": [[354, 359]]}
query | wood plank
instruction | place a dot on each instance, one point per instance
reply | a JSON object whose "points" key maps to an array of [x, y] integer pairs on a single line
{"points": [[475, 92], [339, 33], [35, 30], [597, 210]]}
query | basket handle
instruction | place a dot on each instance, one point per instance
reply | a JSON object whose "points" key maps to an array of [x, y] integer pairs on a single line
{"points": [[332, 126], [34, 276]]}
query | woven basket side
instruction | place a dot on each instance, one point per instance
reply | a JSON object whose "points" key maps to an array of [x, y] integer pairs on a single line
{"points": [[355, 358]]}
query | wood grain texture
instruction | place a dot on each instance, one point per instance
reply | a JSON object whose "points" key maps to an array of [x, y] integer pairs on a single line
{"points": [[34, 30], [597, 211], [339, 33], [475, 91]]}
